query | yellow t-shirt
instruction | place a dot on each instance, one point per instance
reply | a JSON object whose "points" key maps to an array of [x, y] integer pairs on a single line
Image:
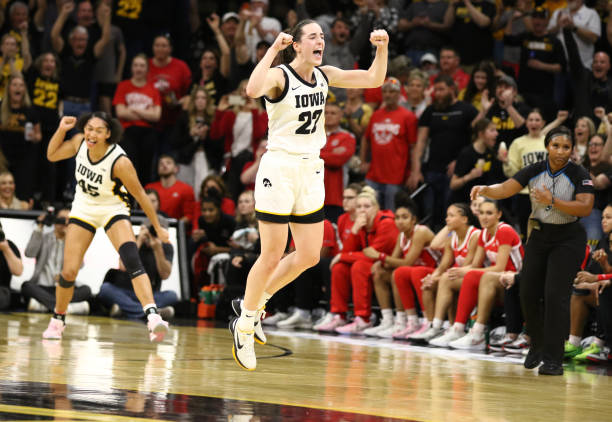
{"points": [[523, 152]]}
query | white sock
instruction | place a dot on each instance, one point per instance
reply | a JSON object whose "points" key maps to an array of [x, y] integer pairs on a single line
{"points": [[387, 314], [246, 322], [459, 327], [413, 319], [478, 329], [304, 313], [400, 317], [264, 299], [437, 323], [575, 340]]}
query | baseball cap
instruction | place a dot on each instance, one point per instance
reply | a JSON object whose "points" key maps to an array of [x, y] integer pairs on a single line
{"points": [[508, 80], [539, 12], [428, 57], [230, 15], [392, 83]]}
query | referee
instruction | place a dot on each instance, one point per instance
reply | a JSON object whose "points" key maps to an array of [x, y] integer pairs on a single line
{"points": [[560, 192]]}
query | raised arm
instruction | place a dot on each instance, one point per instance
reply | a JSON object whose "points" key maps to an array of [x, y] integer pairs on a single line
{"points": [[60, 150], [371, 78], [105, 13], [266, 81], [57, 42]]}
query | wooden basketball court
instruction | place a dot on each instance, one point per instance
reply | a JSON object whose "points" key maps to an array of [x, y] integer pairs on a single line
{"points": [[106, 370]]}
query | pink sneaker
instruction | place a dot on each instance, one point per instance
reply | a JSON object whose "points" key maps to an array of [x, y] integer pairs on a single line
{"points": [[54, 330], [420, 329], [355, 327], [157, 328], [330, 326], [409, 329]]}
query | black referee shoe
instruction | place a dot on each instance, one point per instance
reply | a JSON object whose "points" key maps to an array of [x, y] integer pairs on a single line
{"points": [[550, 368], [533, 359]]}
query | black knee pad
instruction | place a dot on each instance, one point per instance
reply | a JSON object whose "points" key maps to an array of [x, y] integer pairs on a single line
{"points": [[129, 255], [65, 283]]}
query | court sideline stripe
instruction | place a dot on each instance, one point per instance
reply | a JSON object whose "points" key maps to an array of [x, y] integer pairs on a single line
{"points": [[74, 414]]}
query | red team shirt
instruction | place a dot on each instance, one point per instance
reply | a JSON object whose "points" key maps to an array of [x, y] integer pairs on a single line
{"points": [[461, 251], [338, 149], [428, 258], [391, 133], [505, 235], [344, 224], [172, 81], [140, 97], [176, 201]]}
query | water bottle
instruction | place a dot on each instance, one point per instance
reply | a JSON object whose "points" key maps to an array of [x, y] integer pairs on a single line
{"points": [[28, 132]]}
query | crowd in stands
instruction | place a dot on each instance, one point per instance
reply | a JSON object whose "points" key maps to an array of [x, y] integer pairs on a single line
{"points": [[473, 87]]}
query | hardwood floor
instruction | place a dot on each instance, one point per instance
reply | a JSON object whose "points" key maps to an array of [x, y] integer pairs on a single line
{"points": [[106, 369]]}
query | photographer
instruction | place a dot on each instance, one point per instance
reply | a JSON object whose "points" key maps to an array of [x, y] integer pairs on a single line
{"points": [[48, 250], [10, 265], [117, 292]]}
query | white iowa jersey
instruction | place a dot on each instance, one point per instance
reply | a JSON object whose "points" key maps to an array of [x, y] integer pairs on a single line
{"points": [[95, 185], [296, 119]]}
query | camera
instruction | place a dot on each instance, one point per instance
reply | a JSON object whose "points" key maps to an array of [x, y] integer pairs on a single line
{"points": [[235, 100], [152, 231], [49, 219]]}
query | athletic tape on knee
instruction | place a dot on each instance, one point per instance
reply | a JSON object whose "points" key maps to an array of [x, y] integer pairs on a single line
{"points": [[65, 283], [129, 255]]}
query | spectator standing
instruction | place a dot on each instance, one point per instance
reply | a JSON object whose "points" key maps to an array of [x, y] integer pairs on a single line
{"points": [[172, 78], [20, 135], [48, 250], [44, 88], [12, 61], [423, 23], [470, 25], [259, 26], [78, 58], [390, 137], [196, 153], [357, 113], [138, 106], [584, 24], [416, 97], [338, 149], [481, 85], [541, 59], [449, 65], [108, 70], [447, 124]]}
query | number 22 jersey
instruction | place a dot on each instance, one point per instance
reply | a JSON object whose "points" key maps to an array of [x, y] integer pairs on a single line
{"points": [[296, 119], [95, 184]]}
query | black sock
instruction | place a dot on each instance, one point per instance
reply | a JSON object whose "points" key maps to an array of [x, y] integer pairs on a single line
{"points": [[61, 317]]}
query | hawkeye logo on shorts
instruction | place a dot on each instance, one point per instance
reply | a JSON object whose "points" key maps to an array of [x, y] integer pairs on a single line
{"points": [[267, 183]]}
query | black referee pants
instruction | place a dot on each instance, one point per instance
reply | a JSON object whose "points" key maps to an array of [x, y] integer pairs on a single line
{"points": [[552, 258]]}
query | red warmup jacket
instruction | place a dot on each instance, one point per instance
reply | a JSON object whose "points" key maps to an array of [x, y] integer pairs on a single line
{"points": [[338, 149], [381, 237], [223, 127]]}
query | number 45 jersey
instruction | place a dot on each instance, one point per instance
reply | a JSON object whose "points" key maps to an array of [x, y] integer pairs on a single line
{"points": [[96, 187], [296, 119]]}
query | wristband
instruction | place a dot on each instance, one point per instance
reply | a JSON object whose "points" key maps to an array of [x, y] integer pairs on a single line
{"points": [[382, 257], [601, 277]]}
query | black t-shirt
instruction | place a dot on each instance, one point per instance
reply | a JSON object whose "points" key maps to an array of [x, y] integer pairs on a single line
{"points": [[508, 132], [12, 134], [472, 42], [219, 232], [77, 72], [565, 184], [46, 96], [449, 132], [547, 49], [467, 160], [5, 273], [148, 261]]}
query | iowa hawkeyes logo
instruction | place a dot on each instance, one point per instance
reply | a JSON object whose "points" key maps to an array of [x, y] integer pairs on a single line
{"points": [[267, 183]]}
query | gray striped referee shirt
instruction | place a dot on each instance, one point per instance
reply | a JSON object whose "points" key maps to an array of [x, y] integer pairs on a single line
{"points": [[564, 184]]}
